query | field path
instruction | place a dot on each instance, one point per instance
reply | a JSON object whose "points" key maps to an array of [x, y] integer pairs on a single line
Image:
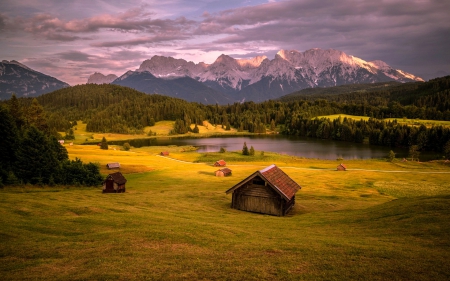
{"points": [[310, 169]]}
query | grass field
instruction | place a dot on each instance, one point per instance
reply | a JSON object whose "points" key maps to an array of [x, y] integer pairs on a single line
{"points": [[376, 221], [160, 129]]}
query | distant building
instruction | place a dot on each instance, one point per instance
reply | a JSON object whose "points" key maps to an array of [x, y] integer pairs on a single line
{"points": [[225, 172], [61, 141], [114, 165], [341, 167], [267, 191], [114, 183], [164, 153], [220, 163]]}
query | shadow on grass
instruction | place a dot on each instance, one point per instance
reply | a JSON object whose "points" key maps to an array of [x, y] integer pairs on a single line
{"points": [[206, 173]]}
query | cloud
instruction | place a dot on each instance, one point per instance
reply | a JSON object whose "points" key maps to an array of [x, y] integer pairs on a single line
{"points": [[74, 56], [132, 21], [139, 41]]}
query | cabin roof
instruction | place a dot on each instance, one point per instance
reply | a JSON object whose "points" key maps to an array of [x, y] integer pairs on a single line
{"points": [[117, 178], [221, 162], [343, 166], [276, 179], [225, 170], [113, 165]]}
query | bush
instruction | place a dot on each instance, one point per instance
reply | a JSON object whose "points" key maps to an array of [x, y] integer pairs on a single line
{"points": [[126, 146], [223, 150]]}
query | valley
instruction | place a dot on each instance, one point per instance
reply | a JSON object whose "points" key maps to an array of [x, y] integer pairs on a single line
{"points": [[175, 222]]}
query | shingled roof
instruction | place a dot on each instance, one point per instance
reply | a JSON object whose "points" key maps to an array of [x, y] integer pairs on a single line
{"points": [[276, 178], [117, 178], [220, 163]]}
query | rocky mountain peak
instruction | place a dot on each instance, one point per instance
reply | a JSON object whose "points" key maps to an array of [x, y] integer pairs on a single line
{"points": [[99, 78]]}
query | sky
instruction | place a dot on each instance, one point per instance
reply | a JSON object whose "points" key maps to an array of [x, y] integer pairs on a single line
{"points": [[72, 39]]}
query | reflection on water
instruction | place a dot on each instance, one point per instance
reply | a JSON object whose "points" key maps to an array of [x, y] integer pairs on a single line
{"points": [[291, 145]]}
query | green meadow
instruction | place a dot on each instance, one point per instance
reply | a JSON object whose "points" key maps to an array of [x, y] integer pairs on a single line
{"points": [[378, 220]]}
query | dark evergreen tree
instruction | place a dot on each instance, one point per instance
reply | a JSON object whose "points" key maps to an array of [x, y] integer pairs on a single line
{"points": [[252, 151], [9, 139], [245, 149], [36, 159], [104, 144]]}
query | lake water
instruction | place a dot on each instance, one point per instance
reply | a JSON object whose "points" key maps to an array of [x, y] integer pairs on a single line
{"points": [[291, 145]]}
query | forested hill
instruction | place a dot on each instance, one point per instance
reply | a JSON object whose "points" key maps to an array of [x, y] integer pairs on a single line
{"points": [[434, 93], [113, 108]]}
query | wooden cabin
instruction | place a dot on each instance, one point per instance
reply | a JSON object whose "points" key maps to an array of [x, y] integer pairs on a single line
{"points": [[225, 172], [341, 167], [114, 183], [220, 163], [114, 165], [164, 153], [267, 191]]}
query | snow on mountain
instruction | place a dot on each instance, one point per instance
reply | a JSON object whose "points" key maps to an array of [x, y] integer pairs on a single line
{"points": [[99, 78], [260, 78]]}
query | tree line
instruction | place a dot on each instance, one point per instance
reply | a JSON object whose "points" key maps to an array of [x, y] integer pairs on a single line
{"points": [[31, 152], [113, 108]]}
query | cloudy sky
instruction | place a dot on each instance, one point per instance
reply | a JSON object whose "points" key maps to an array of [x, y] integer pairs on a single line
{"points": [[72, 39]]}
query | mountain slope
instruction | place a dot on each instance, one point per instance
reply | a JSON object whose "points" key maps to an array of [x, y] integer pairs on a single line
{"points": [[24, 81], [181, 87]]}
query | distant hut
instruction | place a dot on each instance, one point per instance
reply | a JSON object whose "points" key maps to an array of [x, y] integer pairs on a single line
{"points": [[267, 191], [114, 165], [341, 167], [225, 172], [114, 183], [164, 153], [61, 141], [220, 163]]}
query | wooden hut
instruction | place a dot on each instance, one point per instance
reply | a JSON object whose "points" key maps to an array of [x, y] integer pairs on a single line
{"points": [[267, 191], [341, 167], [114, 165], [164, 153], [114, 183], [220, 163], [225, 172]]}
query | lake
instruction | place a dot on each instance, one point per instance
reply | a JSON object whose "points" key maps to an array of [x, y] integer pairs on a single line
{"points": [[291, 145]]}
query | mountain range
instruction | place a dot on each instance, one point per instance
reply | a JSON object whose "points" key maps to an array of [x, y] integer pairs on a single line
{"points": [[259, 78], [23, 81], [226, 80]]}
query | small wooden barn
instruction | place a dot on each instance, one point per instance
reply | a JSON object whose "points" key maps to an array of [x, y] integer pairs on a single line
{"points": [[341, 167], [114, 165], [220, 163], [225, 172], [114, 183], [267, 191], [164, 153]]}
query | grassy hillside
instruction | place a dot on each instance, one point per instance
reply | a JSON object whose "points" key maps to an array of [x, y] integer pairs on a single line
{"points": [[376, 221]]}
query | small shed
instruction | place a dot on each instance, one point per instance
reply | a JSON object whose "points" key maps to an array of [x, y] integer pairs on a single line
{"points": [[61, 141], [220, 163], [114, 183], [225, 172], [267, 191], [341, 167], [114, 165], [164, 153]]}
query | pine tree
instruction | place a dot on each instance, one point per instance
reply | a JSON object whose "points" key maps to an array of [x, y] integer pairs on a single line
{"points": [[36, 159], [252, 151], [245, 149], [104, 144], [196, 130]]}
